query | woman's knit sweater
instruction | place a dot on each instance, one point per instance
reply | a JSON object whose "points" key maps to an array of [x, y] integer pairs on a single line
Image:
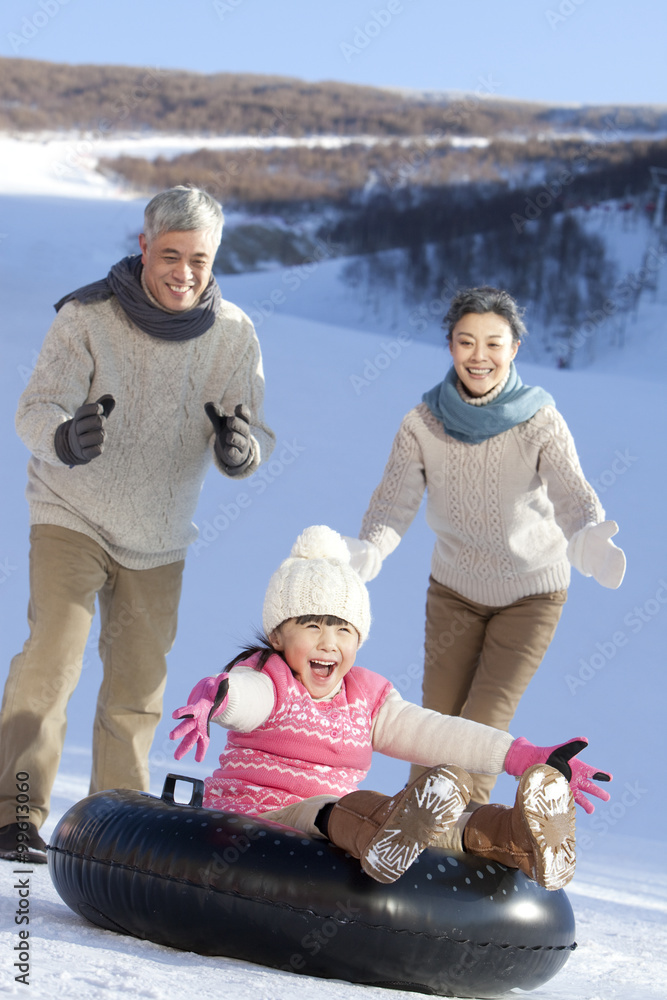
{"points": [[138, 498], [284, 746], [502, 510]]}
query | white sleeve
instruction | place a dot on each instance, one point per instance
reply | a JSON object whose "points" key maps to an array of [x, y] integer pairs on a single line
{"points": [[575, 502], [422, 736], [397, 498], [252, 696]]}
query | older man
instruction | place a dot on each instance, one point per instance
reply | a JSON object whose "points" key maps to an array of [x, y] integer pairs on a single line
{"points": [[144, 378]]}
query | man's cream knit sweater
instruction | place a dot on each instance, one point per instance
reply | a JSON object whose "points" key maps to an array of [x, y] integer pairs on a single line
{"points": [[502, 511], [138, 498]]}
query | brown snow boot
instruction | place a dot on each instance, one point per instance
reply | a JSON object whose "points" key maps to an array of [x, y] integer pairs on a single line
{"points": [[536, 835], [387, 834]]}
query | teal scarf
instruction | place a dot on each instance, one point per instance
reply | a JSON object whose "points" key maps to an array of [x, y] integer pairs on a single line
{"points": [[517, 402]]}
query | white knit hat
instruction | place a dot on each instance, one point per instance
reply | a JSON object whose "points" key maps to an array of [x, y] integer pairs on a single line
{"points": [[317, 579]]}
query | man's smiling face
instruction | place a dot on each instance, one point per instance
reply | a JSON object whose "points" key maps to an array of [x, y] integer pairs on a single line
{"points": [[177, 266]]}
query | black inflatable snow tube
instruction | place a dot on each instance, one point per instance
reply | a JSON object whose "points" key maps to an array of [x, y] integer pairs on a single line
{"points": [[221, 884]]}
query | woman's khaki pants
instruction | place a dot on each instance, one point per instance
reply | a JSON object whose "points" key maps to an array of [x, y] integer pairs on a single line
{"points": [[138, 615], [479, 660]]}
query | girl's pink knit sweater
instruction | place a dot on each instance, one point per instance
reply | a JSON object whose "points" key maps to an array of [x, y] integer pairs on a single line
{"points": [[304, 748]]}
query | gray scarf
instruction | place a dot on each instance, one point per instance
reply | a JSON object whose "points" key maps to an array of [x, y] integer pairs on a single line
{"points": [[124, 281]]}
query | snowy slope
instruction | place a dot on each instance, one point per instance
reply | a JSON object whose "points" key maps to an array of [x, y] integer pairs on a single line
{"points": [[335, 396], [621, 953]]}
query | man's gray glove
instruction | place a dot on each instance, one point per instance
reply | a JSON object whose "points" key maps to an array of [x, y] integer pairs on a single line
{"points": [[233, 444], [79, 440]]}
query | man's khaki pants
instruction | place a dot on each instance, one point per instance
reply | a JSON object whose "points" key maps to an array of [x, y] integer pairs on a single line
{"points": [[138, 616], [479, 659]]}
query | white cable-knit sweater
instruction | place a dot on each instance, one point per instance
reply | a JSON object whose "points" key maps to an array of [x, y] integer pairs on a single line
{"points": [[138, 498], [502, 510]]}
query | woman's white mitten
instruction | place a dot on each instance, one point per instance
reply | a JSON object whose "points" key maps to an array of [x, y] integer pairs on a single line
{"points": [[365, 557], [592, 552]]}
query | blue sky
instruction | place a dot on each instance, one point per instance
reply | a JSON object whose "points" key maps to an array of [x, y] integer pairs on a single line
{"points": [[561, 51]]}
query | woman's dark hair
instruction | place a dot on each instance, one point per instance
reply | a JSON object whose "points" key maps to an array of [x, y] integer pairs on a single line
{"points": [[485, 299], [263, 645]]}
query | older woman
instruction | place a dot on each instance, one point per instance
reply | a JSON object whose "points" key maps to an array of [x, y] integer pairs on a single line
{"points": [[510, 508]]}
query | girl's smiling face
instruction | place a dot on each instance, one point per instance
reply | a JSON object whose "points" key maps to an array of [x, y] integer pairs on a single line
{"points": [[482, 349], [319, 655]]}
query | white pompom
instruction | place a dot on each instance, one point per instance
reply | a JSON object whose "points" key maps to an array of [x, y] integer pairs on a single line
{"points": [[320, 542]]}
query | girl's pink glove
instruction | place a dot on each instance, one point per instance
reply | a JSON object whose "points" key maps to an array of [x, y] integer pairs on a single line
{"points": [[207, 699], [522, 755]]}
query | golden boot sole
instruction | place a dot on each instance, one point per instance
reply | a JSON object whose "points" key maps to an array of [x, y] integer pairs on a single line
{"points": [[423, 811], [549, 813]]}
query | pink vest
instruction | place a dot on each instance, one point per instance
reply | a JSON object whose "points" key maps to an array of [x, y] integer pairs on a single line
{"points": [[304, 748]]}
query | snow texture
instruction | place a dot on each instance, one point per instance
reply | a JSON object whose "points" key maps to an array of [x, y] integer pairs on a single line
{"points": [[336, 392]]}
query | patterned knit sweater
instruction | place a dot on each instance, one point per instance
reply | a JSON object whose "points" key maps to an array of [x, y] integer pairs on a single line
{"points": [[502, 510], [284, 746], [138, 498]]}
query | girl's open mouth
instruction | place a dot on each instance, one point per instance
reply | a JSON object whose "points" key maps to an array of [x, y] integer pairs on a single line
{"points": [[322, 668]]}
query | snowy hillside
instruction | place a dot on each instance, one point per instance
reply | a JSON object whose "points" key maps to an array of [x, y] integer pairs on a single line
{"points": [[338, 382], [377, 289]]}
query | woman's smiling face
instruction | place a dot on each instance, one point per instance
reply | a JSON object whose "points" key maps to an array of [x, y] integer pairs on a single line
{"points": [[482, 349]]}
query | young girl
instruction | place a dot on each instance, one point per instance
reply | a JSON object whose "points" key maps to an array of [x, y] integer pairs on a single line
{"points": [[303, 721], [511, 511]]}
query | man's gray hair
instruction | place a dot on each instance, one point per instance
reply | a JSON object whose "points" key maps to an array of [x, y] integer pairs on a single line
{"points": [[485, 299], [182, 209]]}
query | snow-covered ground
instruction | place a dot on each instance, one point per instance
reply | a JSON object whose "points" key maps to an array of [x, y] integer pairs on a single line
{"points": [[336, 391]]}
